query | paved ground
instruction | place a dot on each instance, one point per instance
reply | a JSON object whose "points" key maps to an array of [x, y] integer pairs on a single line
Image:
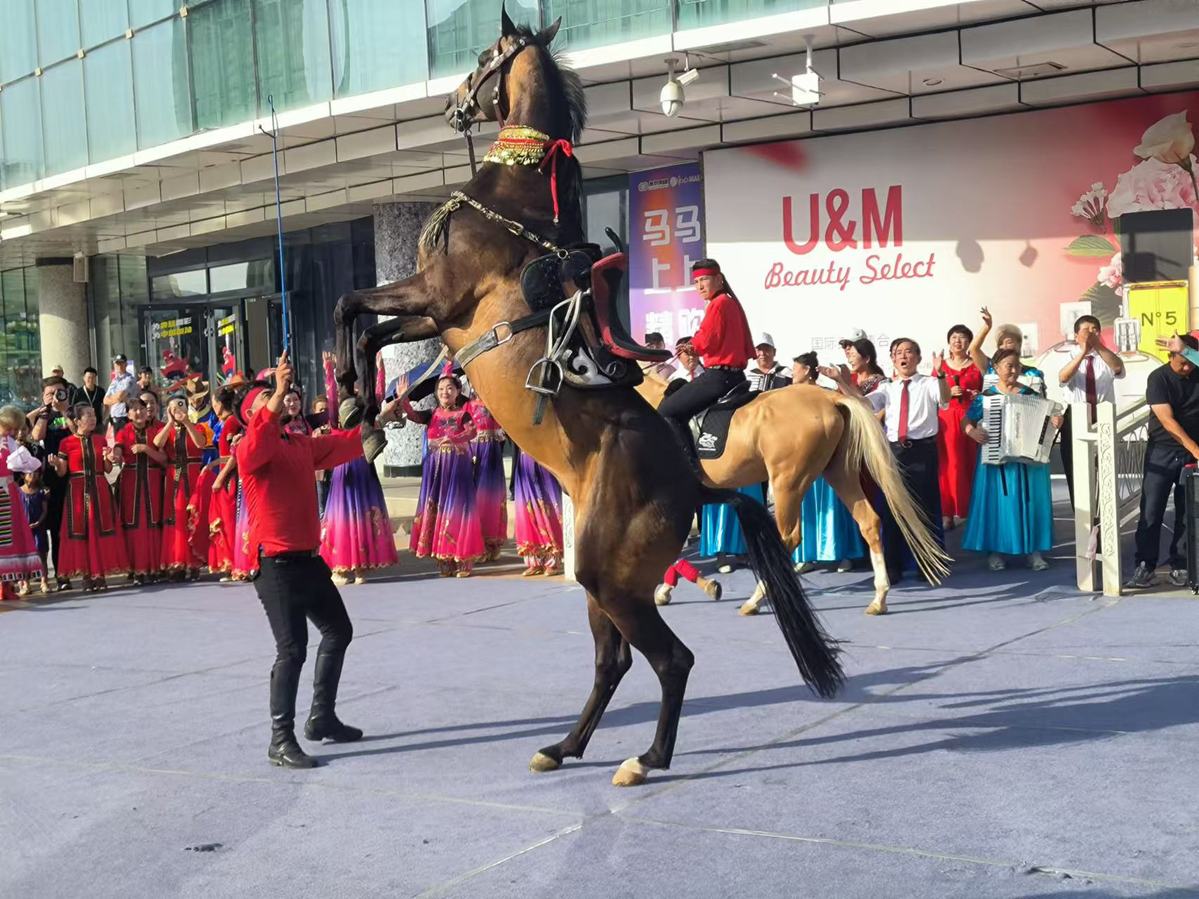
{"points": [[997, 737]]}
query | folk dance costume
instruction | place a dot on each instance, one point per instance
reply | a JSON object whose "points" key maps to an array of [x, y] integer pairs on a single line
{"points": [[140, 495], [20, 559], [1011, 506], [356, 533], [180, 552], [538, 526], [294, 585], [911, 408], [828, 531], [222, 506], [491, 494], [958, 453], [92, 543], [447, 518]]}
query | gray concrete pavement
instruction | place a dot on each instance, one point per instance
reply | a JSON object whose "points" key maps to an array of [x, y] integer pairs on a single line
{"points": [[998, 736]]}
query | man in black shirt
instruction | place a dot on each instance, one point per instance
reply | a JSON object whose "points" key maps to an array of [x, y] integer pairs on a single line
{"points": [[1173, 396], [90, 392], [50, 424]]}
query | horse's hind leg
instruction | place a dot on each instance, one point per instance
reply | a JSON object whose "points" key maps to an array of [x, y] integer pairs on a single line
{"points": [[789, 492], [612, 659], [642, 626], [848, 486]]}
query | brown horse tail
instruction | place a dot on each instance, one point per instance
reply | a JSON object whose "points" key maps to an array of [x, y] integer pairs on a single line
{"points": [[813, 650], [866, 447]]}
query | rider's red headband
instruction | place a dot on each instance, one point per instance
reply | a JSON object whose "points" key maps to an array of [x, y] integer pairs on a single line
{"points": [[704, 272]]}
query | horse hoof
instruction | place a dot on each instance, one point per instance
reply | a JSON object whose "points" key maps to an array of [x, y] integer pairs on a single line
{"points": [[749, 607], [373, 443], [878, 607], [540, 763], [631, 773], [662, 595], [713, 590], [350, 412]]}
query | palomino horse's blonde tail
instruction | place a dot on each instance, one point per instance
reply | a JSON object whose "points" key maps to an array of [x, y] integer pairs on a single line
{"points": [[866, 446]]}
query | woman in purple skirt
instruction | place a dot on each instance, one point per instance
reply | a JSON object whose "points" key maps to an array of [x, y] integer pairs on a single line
{"points": [[356, 534], [491, 494], [538, 517]]}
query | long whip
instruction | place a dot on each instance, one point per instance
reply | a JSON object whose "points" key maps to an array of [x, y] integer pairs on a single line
{"points": [[273, 134]]}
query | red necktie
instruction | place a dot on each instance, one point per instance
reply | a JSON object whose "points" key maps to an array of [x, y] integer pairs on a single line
{"points": [[904, 401], [1092, 392]]}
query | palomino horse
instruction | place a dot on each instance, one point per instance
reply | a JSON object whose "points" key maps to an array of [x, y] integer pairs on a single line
{"points": [[633, 492], [793, 435]]}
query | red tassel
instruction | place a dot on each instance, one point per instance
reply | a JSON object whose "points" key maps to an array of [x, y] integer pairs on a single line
{"points": [[552, 149]]}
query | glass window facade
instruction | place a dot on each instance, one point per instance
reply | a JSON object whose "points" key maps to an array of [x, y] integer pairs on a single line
{"points": [[700, 13], [102, 20], [220, 42], [108, 93], [57, 30], [21, 117], [18, 41], [459, 30], [20, 354], [162, 94], [373, 46], [64, 125], [590, 23], [291, 44], [116, 287], [143, 12]]}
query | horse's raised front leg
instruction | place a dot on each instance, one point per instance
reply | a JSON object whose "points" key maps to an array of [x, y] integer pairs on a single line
{"points": [[409, 297], [612, 659], [401, 329]]}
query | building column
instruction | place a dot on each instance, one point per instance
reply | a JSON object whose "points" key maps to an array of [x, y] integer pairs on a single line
{"points": [[62, 318], [397, 230]]}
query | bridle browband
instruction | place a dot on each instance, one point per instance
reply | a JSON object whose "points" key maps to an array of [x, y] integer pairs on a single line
{"points": [[464, 112]]}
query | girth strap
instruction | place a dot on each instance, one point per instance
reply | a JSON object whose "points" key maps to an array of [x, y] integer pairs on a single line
{"points": [[499, 335]]}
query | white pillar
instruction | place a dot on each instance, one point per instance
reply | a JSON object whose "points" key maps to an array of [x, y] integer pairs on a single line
{"points": [[62, 319]]}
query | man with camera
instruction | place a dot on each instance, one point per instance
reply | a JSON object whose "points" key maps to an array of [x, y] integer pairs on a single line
{"points": [[50, 424]]}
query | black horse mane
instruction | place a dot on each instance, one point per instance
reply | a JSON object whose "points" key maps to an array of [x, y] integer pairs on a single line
{"points": [[568, 83]]}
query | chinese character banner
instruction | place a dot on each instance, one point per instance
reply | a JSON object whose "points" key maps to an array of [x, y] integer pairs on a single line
{"points": [[666, 235]]}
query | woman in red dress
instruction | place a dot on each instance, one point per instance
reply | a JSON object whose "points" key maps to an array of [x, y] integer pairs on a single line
{"points": [[222, 509], [184, 442], [140, 492], [958, 452], [92, 543]]}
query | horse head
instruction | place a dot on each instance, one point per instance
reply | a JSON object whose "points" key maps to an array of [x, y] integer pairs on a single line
{"points": [[518, 80]]}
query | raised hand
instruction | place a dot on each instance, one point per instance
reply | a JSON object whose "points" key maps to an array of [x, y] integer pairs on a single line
{"points": [[986, 314], [938, 361]]}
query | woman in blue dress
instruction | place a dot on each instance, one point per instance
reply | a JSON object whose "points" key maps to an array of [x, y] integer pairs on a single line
{"points": [[828, 531], [1011, 506]]}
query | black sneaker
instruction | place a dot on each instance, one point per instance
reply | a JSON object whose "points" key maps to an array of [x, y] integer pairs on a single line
{"points": [[1141, 578], [1178, 577]]}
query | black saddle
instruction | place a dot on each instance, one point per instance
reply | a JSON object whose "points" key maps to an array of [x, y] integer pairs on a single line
{"points": [[543, 281], [714, 423]]}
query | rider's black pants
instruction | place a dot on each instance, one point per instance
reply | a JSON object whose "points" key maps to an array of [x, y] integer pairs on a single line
{"points": [[680, 406]]}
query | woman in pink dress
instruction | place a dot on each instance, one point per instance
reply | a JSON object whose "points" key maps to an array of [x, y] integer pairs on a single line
{"points": [[356, 534], [447, 519], [538, 498], [491, 493], [19, 557]]}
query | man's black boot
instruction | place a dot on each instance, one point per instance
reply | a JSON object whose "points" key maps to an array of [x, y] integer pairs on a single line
{"points": [[322, 720], [284, 750]]}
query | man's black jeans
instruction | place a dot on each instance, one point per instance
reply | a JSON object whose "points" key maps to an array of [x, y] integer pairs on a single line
{"points": [[1164, 463]]}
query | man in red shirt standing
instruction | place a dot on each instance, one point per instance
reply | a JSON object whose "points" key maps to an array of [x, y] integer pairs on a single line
{"points": [[294, 584], [724, 347]]}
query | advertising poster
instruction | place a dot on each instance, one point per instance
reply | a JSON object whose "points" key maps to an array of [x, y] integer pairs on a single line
{"points": [[908, 231], [666, 235]]}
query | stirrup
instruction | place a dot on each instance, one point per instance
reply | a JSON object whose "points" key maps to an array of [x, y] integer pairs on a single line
{"points": [[549, 377]]}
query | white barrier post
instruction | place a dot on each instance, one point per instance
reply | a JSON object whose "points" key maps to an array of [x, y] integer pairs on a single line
{"points": [[568, 538], [1109, 501], [1085, 565]]}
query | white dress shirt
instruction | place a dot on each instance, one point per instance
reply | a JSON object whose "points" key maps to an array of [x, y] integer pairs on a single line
{"points": [[924, 399], [1105, 380]]}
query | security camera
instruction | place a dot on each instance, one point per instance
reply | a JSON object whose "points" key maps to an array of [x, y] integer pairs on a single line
{"points": [[672, 98]]}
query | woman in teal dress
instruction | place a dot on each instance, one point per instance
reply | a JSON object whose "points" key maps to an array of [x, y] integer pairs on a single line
{"points": [[829, 533], [1011, 505]]}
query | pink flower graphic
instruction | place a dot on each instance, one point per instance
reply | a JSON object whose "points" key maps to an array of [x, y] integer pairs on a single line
{"points": [[1112, 274], [1152, 184]]}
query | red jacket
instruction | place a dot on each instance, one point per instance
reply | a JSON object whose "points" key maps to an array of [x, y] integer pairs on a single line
{"points": [[276, 475], [723, 337]]}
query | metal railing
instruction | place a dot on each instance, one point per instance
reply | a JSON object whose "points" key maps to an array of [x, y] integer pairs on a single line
{"points": [[1109, 463]]}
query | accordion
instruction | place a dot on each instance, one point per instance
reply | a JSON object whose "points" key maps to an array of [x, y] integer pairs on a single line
{"points": [[1019, 428]]}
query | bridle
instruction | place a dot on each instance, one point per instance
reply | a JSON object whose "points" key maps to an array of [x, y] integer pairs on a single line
{"points": [[465, 111]]}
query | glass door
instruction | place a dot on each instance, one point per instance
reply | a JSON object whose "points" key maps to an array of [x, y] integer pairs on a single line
{"points": [[175, 343], [224, 334], [264, 332]]}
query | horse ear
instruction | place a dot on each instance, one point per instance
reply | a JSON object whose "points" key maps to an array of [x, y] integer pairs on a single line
{"points": [[550, 32], [507, 26]]}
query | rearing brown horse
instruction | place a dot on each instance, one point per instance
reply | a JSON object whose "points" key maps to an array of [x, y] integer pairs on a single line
{"points": [[633, 491]]}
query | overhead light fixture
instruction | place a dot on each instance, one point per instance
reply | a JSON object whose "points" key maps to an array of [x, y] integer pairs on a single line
{"points": [[672, 97], [933, 82], [805, 88]]}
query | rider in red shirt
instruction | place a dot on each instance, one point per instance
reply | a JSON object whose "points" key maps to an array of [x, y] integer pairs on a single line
{"points": [[294, 584], [724, 347]]}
